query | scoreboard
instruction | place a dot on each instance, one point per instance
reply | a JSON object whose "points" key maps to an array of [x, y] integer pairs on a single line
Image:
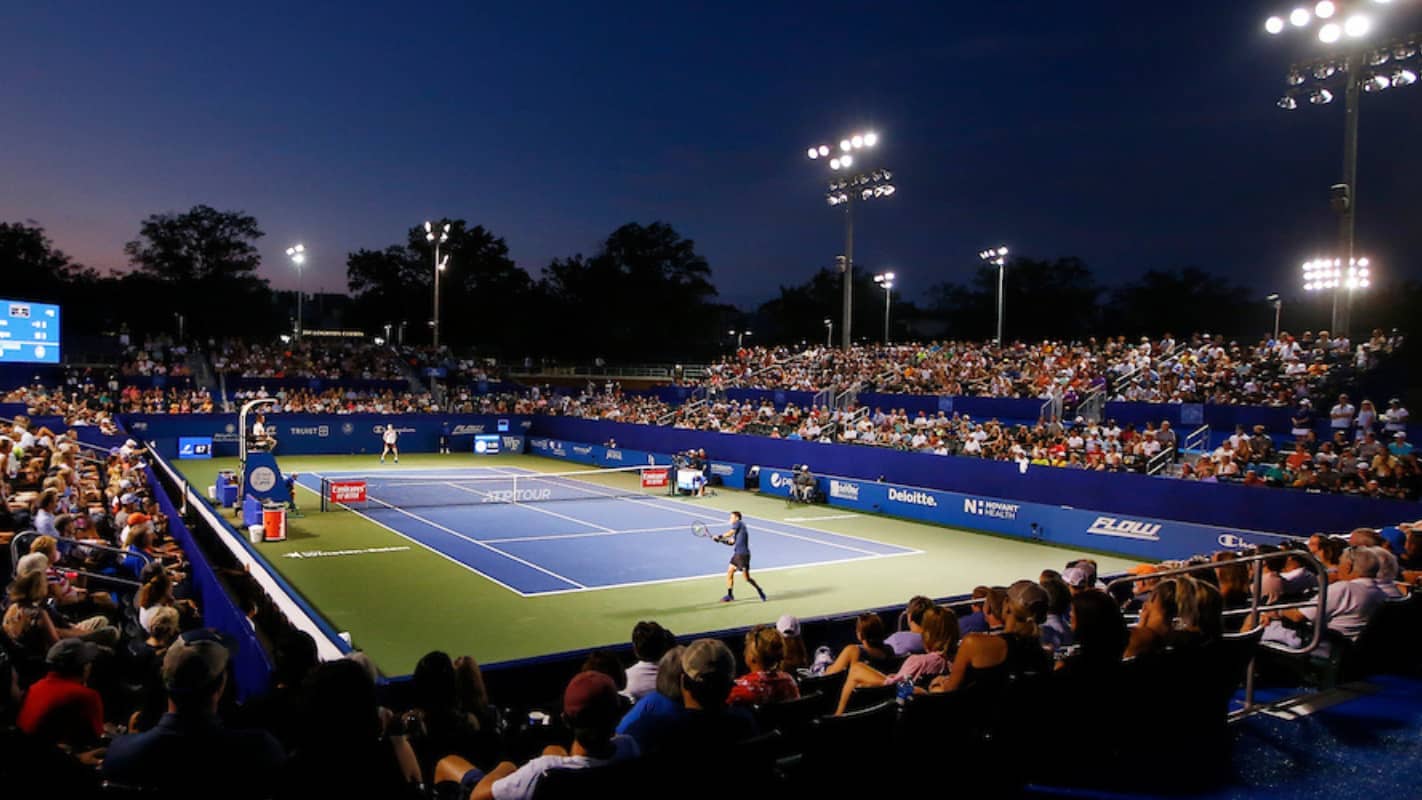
{"points": [[29, 332]]}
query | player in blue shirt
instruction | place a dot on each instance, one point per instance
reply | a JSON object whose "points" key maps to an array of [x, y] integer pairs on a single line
{"points": [[740, 558]]}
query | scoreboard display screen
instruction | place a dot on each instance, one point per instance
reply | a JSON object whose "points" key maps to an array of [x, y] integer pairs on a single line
{"points": [[487, 444], [194, 447], [29, 332]]}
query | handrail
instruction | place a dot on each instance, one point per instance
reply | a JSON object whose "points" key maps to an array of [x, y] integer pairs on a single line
{"points": [[82, 445], [1198, 438], [1319, 624], [1159, 462], [32, 534]]}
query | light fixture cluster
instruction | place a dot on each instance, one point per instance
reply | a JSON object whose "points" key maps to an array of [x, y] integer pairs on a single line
{"points": [[885, 279], [1331, 27], [297, 254], [1385, 66], [844, 158], [865, 186], [1322, 274], [996, 256]]}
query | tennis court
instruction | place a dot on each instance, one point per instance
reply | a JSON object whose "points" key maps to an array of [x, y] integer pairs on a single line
{"points": [[535, 534], [475, 578]]}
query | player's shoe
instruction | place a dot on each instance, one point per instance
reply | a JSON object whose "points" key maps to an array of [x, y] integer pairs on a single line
{"points": [[728, 598]]}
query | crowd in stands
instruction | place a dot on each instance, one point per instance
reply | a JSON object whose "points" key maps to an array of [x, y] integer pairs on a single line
{"points": [[1202, 369], [157, 356], [309, 357], [127, 686]]}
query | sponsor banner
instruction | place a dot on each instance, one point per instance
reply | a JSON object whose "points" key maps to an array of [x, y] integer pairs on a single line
{"points": [[1143, 537], [723, 473], [654, 478], [487, 444], [195, 447], [316, 434], [347, 492]]}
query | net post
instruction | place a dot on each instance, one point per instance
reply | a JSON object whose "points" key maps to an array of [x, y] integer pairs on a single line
{"points": [[325, 494]]}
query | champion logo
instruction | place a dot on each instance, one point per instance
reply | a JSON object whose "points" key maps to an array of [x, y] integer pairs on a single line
{"points": [[1125, 529], [1231, 541]]}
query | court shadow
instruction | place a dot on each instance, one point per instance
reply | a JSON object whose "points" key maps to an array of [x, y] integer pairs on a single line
{"points": [[665, 611]]}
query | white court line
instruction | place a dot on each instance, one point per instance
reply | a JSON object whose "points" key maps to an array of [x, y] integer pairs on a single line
{"points": [[430, 547], [532, 507], [829, 562], [550, 536], [649, 502], [816, 519], [626, 585]]}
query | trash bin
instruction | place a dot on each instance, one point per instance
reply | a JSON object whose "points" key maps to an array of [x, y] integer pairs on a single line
{"points": [[274, 523]]}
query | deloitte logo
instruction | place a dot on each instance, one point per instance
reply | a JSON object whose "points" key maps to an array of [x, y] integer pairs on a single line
{"points": [[262, 479], [913, 497]]}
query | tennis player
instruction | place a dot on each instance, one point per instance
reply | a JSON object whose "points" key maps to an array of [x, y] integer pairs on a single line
{"points": [[389, 437], [740, 558]]}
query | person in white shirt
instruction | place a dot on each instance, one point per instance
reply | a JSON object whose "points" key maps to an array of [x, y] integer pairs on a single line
{"points": [[1341, 417], [389, 437], [590, 711], [1353, 598], [1395, 417], [650, 642]]}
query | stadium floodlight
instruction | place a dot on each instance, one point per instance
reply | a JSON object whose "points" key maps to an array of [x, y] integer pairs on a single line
{"points": [[740, 336], [439, 265], [886, 282], [855, 188], [829, 332], [297, 254], [997, 256], [1352, 64]]}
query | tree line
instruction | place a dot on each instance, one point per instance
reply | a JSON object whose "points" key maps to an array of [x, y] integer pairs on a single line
{"points": [[646, 293]]}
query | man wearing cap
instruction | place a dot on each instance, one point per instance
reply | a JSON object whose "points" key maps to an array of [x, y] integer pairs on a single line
{"points": [[1399, 446], [190, 749], [590, 709], [60, 708], [708, 672]]}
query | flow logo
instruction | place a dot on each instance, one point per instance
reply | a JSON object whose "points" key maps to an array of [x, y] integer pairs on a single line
{"points": [[1125, 529]]}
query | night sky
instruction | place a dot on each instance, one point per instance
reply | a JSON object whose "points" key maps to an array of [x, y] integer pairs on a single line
{"points": [[1130, 134]]}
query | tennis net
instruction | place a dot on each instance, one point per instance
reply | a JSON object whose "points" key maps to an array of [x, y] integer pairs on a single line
{"points": [[386, 491]]}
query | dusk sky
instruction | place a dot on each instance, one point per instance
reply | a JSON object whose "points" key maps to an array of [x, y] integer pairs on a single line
{"points": [[1133, 135]]}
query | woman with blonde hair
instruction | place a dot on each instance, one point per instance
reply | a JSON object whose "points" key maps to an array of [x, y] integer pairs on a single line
{"points": [[989, 659]]}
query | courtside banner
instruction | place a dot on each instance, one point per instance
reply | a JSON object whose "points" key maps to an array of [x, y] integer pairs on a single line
{"points": [[654, 479], [335, 434], [1143, 537], [723, 473], [347, 492]]}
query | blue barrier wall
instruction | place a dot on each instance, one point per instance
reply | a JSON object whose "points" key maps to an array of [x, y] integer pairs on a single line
{"points": [[1146, 537], [1230, 506], [312, 434], [727, 473], [250, 664]]}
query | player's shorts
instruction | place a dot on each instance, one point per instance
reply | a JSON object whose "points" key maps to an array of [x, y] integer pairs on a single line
{"points": [[741, 560]]}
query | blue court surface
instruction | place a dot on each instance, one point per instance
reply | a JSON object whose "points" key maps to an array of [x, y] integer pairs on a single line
{"points": [[602, 542]]}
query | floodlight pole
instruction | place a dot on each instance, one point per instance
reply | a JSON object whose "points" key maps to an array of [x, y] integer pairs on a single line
{"points": [[848, 271], [1001, 297], [1348, 212]]}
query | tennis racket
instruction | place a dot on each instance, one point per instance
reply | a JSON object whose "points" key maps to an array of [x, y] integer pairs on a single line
{"points": [[700, 529]]}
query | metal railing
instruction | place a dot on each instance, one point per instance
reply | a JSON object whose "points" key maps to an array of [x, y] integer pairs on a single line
{"points": [[1093, 407], [1051, 410], [1159, 462], [70, 543], [1198, 439], [843, 400], [1319, 602]]}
